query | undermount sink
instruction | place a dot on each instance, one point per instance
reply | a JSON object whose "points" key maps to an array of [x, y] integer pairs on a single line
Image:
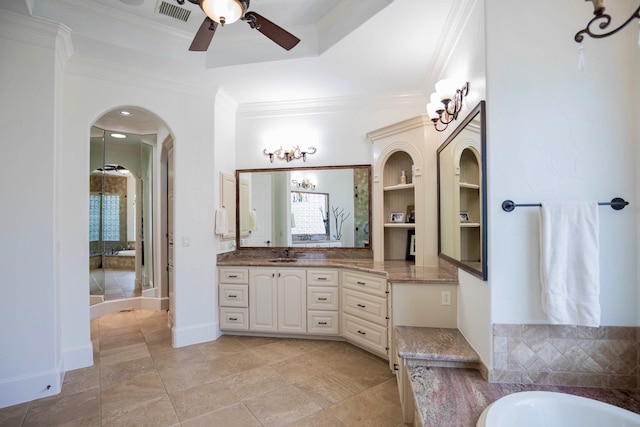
{"points": [[283, 260]]}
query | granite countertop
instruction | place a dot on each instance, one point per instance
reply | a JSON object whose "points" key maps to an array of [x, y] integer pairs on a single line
{"points": [[394, 271], [457, 397], [434, 344]]}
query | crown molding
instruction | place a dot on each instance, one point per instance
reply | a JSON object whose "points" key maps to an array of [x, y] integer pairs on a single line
{"points": [[331, 104], [32, 30], [457, 19]]}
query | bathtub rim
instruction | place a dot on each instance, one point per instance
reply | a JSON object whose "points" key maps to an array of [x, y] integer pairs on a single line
{"points": [[513, 398]]}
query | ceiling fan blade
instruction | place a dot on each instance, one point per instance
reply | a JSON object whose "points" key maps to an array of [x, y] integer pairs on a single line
{"points": [[203, 37], [278, 34]]}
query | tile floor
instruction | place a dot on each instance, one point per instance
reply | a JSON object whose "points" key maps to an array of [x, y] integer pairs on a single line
{"points": [[113, 284], [138, 379]]}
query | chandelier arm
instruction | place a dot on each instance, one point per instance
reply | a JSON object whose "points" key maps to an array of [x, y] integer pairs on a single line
{"points": [[605, 21]]}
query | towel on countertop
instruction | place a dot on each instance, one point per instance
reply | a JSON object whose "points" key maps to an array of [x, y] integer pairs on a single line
{"points": [[221, 221], [570, 262]]}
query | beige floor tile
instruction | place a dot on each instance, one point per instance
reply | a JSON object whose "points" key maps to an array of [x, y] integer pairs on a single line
{"points": [[189, 375], [236, 363], [124, 354], [252, 342], [326, 389], [178, 358], [236, 415], [61, 409], [375, 407], [299, 368], [223, 346], [13, 416], [319, 419], [137, 390], [81, 380], [281, 407], [122, 339], [252, 383], [202, 399], [156, 412], [115, 373]]}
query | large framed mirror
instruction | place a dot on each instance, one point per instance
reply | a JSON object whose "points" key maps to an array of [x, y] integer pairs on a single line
{"points": [[462, 185], [304, 207]]}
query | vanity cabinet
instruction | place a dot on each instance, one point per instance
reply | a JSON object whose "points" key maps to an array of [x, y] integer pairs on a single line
{"points": [[364, 311], [323, 302], [278, 300], [233, 299]]}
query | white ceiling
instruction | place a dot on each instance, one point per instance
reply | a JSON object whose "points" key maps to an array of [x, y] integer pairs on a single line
{"points": [[349, 48]]}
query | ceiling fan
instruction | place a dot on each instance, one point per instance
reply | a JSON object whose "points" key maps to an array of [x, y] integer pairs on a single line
{"points": [[221, 12]]}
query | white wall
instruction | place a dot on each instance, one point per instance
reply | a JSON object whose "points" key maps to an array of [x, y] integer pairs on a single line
{"points": [[556, 133], [30, 357], [466, 62], [336, 127]]}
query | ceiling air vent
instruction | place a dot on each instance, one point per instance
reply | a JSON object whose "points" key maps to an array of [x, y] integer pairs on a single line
{"points": [[169, 9]]}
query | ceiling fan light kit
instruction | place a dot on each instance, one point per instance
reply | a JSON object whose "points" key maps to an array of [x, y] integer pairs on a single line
{"points": [[229, 11], [223, 11]]}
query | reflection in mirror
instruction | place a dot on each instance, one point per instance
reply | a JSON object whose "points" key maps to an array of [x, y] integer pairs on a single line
{"points": [[314, 207], [462, 195], [120, 215]]}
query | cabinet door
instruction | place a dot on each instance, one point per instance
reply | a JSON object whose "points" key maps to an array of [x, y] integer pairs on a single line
{"points": [[263, 302], [292, 301]]}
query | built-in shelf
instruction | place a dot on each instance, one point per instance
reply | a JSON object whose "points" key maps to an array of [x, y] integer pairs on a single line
{"points": [[407, 225], [399, 187], [469, 185], [469, 224]]}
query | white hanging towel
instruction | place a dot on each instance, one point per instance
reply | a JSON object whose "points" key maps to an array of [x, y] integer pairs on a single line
{"points": [[570, 262], [221, 221], [252, 226]]}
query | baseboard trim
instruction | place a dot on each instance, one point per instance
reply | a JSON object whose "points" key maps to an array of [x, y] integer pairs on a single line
{"points": [[77, 357], [14, 391], [196, 334]]}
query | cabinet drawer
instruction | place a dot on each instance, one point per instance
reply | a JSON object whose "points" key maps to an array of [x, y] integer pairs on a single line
{"points": [[235, 319], [322, 298], [376, 285], [369, 307], [365, 334], [233, 295], [323, 323], [319, 277], [233, 275]]}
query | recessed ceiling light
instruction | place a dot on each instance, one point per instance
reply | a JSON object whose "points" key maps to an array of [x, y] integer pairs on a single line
{"points": [[125, 113], [118, 135]]}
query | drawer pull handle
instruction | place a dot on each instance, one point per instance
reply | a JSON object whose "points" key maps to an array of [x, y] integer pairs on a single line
{"points": [[322, 299], [322, 323], [233, 318], [361, 283], [362, 333], [233, 276], [233, 296], [362, 306], [322, 278]]}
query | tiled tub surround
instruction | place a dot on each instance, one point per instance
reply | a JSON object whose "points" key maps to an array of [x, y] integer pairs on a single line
{"points": [[605, 357]]}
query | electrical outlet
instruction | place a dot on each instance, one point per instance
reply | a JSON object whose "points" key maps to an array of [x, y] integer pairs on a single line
{"points": [[445, 298]]}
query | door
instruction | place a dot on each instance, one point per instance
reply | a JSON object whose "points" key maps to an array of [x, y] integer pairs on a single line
{"points": [[292, 301], [263, 302]]}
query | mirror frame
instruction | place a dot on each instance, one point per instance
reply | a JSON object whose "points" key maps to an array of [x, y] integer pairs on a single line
{"points": [[482, 274], [311, 168]]}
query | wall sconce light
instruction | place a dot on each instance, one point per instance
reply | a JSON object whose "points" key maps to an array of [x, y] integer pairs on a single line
{"points": [[446, 102], [305, 183], [605, 20], [290, 154]]}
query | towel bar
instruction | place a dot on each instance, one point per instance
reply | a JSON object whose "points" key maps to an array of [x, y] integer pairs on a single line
{"points": [[617, 203]]}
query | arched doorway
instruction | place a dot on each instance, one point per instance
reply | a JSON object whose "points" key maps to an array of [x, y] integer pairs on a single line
{"points": [[128, 212]]}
